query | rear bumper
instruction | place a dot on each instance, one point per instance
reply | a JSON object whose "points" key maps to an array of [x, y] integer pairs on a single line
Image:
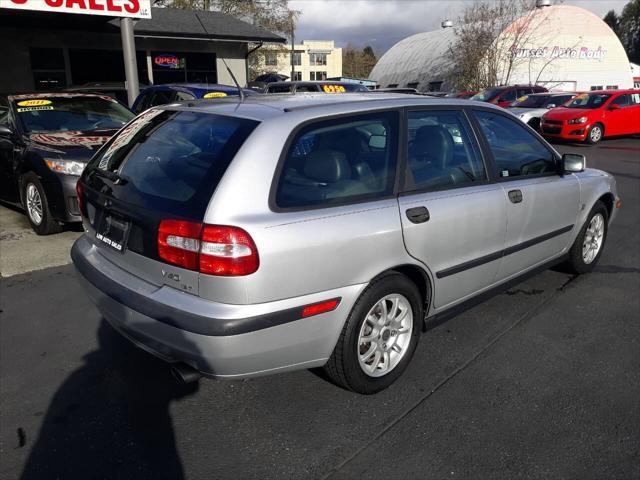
{"points": [[219, 340]]}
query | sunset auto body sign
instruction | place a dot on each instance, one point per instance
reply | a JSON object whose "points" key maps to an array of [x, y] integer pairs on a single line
{"points": [[111, 8]]}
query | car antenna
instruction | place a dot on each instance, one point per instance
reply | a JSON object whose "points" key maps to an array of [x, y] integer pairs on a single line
{"points": [[233, 77]]}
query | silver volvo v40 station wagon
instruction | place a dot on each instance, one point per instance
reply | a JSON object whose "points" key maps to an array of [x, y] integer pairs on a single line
{"points": [[236, 239]]}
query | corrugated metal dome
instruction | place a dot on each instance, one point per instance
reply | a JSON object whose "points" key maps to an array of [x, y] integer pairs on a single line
{"points": [[419, 59]]}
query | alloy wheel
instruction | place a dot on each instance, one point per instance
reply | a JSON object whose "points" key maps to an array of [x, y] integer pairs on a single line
{"points": [[34, 204], [385, 335], [593, 239]]}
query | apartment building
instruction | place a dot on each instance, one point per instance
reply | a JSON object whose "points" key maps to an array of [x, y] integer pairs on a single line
{"points": [[312, 60]]}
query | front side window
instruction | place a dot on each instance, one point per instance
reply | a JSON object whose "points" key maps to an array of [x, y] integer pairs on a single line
{"points": [[622, 101], [508, 96], [340, 161], [440, 151], [516, 151]]}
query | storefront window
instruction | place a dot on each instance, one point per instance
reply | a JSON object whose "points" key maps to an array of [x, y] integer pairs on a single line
{"points": [[93, 65], [47, 65], [177, 67]]}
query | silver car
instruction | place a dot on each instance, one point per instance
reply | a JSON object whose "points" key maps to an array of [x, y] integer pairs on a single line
{"points": [[237, 239], [531, 108]]}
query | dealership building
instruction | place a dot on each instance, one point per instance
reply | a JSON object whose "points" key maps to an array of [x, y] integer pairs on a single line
{"points": [[44, 50], [565, 48]]}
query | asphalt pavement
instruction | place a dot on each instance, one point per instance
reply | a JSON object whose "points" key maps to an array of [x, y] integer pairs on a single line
{"points": [[542, 381]]}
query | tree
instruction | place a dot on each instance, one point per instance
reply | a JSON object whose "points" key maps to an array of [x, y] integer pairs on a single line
{"points": [[629, 30], [613, 21], [358, 63]]}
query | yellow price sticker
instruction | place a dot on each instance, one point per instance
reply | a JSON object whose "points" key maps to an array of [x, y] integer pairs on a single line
{"points": [[34, 103], [215, 95], [522, 98], [333, 89]]}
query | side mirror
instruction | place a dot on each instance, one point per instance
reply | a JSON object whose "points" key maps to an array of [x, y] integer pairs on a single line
{"points": [[5, 131], [551, 105], [614, 106], [573, 163]]}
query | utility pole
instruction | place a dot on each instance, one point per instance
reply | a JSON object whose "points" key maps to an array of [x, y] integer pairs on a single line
{"points": [[293, 69], [130, 63]]}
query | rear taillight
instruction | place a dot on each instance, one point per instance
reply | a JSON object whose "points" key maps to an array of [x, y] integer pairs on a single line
{"points": [[80, 193], [211, 249], [227, 251]]}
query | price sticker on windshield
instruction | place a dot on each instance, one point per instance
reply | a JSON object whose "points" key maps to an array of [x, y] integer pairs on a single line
{"points": [[34, 103], [333, 89], [215, 95]]}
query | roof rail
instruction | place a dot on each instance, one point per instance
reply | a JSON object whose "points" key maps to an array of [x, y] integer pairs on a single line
{"points": [[368, 100]]}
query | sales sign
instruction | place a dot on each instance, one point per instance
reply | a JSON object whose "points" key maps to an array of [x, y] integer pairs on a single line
{"points": [[111, 8]]}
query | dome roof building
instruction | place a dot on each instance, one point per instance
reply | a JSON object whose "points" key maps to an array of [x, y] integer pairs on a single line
{"points": [[563, 47]]}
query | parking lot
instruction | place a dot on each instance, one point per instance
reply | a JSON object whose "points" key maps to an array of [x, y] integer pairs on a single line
{"points": [[542, 381]]}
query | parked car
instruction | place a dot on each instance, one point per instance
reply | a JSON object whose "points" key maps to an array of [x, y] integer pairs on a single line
{"points": [[462, 94], [115, 90], [589, 117], [504, 96], [323, 87], [364, 220], [530, 108], [46, 139], [177, 92], [261, 81]]}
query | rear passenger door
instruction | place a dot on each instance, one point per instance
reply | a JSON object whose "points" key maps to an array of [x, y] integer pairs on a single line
{"points": [[542, 205], [453, 218]]}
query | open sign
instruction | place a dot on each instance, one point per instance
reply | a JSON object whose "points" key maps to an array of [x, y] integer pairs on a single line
{"points": [[167, 60]]}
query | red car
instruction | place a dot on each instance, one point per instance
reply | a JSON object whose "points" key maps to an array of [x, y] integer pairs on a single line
{"points": [[506, 95], [591, 116]]}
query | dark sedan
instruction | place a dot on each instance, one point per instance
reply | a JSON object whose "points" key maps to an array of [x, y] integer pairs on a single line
{"points": [[46, 139]]}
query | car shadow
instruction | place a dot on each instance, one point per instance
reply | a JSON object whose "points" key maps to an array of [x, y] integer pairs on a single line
{"points": [[110, 418]]}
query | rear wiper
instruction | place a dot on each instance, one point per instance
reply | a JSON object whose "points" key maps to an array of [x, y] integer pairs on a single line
{"points": [[113, 176]]}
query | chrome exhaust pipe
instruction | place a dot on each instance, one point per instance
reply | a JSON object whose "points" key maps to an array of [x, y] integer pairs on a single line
{"points": [[184, 373]]}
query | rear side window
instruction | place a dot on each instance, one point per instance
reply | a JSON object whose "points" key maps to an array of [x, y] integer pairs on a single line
{"points": [[172, 161], [340, 161], [440, 151], [516, 151]]}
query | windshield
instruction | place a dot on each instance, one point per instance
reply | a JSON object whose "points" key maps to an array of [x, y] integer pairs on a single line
{"points": [[70, 113], [485, 95], [531, 101], [589, 100]]}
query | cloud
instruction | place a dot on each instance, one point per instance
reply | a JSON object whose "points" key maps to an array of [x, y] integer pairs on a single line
{"points": [[382, 23]]}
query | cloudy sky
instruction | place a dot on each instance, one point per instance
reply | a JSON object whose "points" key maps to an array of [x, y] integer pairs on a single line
{"points": [[381, 23]]}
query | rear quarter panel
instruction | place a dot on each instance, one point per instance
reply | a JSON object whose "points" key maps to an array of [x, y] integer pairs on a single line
{"points": [[300, 252]]}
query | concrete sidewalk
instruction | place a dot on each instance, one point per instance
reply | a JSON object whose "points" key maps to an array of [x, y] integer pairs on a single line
{"points": [[21, 250]]}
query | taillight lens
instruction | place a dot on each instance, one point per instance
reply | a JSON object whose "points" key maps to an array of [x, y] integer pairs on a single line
{"points": [[227, 251], [80, 193], [211, 249], [179, 242]]}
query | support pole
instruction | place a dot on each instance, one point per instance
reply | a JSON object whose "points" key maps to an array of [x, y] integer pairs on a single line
{"points": [[130, 64]]}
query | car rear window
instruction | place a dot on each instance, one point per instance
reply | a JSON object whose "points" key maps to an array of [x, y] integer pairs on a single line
{"points": [[171, 161]]}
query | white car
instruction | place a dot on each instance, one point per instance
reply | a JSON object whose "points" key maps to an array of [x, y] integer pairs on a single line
{"points": [[530, 108]]}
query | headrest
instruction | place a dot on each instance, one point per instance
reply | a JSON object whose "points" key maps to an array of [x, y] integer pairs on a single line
{"points": [[327, 166], [432, 133]]}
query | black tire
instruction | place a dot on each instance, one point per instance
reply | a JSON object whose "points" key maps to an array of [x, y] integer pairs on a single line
{"points": [[343, 368], [576, 260], [595, 134], [47, 224]]}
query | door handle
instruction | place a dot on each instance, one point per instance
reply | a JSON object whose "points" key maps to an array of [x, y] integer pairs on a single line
{"points": [[418, 215], [515, 196]]}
